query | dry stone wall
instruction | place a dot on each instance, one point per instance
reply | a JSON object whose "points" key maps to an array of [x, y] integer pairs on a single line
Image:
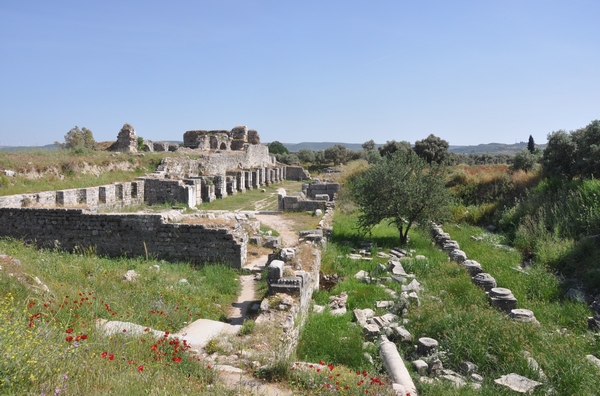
{"points": [[126, 235]]}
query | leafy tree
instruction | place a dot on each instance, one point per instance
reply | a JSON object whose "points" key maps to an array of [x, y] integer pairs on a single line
{"points": [[306, 155], [78, 139], [403, 189], [337, 154], [559, 155], [531, 144], [368, 145], [587, 157], [432, 149], [287, 158], [276, 147], [320, 157], [524, 160], [392, 146]]}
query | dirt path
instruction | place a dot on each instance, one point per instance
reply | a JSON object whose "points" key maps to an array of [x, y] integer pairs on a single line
{"points": [[240, 381], [283, 226]]}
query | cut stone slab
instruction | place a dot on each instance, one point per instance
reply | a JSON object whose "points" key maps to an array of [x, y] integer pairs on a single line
{"points": [[400, 334], [361, 275], [518, 383], [371, 331], [420, 366]]}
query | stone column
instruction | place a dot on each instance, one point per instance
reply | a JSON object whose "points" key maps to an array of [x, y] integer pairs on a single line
{"points": [[255, 178], [249, 183], [220, 186], [241, 181]]}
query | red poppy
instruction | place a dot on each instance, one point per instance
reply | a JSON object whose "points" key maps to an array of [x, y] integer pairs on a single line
{"points": [[140, 368], [111, 356], [177, 359], [69, 339], [103, 354], [69, 331], [84, 337]]}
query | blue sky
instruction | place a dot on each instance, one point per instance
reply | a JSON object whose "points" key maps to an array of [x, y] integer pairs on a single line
{"points": [[469, 72]]}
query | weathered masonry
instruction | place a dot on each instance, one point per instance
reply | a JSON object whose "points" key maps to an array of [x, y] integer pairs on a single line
{"points": [[126, 235]]}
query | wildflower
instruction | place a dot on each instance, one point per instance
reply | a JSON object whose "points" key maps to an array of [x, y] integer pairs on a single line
{"points": [[111, 356], [140, 368], [69, 339], [103, 354], [69, 331], [177, 359]]}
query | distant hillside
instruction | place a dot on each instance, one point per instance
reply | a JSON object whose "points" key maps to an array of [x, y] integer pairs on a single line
{"points": [[316, 146], [489, 148], [29, 148]]}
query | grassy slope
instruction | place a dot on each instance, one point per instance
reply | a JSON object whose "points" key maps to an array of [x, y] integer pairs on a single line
{"points": [[456, 312], [38, 358]]}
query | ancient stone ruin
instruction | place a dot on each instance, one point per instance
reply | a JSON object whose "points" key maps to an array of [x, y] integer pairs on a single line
{"points": [[224, 163], [127, 141]]}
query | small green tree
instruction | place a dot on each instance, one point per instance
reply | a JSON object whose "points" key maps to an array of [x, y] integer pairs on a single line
{"points": [[432, 149], [368, 145], [524, 160], [77, 139], [403, 189], [276, 147]]}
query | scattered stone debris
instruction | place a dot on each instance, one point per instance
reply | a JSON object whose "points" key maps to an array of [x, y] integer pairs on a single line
{"points": [[130, 276], [337, 304]]}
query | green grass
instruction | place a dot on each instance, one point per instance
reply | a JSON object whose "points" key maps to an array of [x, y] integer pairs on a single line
{"points": [[253, 199], [456, 312], [39, 358]]}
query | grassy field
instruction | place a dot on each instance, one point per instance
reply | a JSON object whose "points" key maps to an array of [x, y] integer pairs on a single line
{"points": [[49, 342]]}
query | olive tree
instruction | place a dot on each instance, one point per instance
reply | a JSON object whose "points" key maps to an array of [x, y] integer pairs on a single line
{"points": [[524, 160], [432, 149], [403, 189]]}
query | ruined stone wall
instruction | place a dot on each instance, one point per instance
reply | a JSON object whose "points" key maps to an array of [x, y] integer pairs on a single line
{"points": [[159, 191], [313, 190], [254, 156], [296, 173], [125, 235]]}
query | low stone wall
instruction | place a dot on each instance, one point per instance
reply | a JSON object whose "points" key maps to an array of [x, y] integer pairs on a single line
{"points": [[296, 173], [108, 196], [126, 235], [315, 189]]}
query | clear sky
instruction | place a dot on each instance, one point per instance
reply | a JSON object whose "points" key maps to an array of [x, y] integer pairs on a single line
{"points": [[469, 72]]}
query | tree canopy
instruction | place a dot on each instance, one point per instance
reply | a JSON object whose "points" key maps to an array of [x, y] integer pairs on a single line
{"points": [[337, 154], [403, 189], [432, 149], [276, 147], [391, 146], [77, 139], [574, 154]]}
